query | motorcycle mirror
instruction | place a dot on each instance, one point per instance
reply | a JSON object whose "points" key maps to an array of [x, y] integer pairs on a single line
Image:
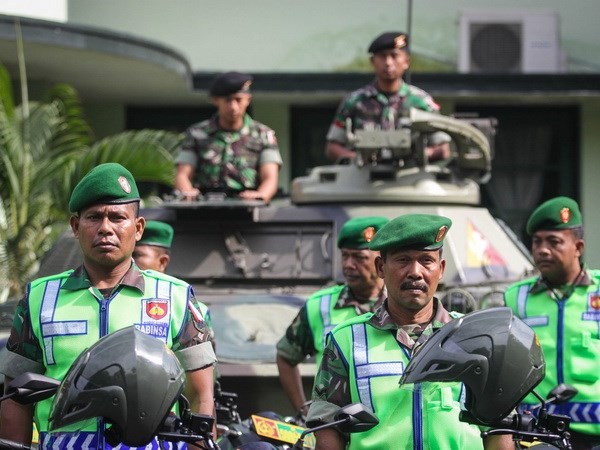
{"points": [[352, 418], [31, 388], [562, 393], [356, 418]]}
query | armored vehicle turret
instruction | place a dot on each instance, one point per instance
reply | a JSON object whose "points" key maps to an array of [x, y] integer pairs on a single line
{"points": [[255, 264]]}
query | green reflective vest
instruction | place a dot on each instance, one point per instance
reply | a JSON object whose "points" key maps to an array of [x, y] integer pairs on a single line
{"points": [[323, 316], [417, 417], [66, 322], [568, 331]]}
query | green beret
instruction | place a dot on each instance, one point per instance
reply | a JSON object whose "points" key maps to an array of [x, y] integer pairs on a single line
{"points": [[559, 213], [418, 231], [389, 41], [230, 83], [157, 233], [105, 184], [358, 232]]}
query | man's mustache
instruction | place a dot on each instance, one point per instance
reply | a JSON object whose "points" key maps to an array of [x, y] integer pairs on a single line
{"points": [[411, 285]]}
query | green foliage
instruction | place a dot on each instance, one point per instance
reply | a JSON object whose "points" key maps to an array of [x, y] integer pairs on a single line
{"points": [[42, 157]]}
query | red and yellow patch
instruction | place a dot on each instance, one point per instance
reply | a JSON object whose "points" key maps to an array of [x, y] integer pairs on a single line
{"points": [[595, 301], [565, 215], [157, 309]]}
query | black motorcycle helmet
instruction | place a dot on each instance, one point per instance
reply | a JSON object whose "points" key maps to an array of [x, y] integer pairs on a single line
{"points": [[495, 355], [127, 377]]}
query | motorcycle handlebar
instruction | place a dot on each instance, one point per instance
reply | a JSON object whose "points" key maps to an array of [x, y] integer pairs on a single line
{"points": [[6, 444]]}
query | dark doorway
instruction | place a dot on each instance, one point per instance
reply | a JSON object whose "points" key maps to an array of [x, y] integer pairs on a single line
{"points": [[308, 130], [536, 158], [166, 118]]}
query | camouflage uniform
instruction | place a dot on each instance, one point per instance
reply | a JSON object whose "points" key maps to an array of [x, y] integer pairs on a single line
{"points": [[298, 341], [371, 109], [228, 160], [331, 389]]}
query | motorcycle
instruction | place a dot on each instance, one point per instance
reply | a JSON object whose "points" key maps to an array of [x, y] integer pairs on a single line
{"points": [[267, 426], [110, 380], [499, 361]]}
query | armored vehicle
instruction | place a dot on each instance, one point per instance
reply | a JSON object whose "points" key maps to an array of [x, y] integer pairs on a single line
{"points": [[255, 264]]}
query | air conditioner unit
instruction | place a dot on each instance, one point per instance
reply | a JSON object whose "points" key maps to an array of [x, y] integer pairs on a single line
{"points": [[509, 42]]}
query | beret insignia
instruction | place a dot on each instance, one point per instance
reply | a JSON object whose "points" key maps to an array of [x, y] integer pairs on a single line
{"points": [[441, 233], [368, 233], [565, 215], [400, 41], [124, 184]]}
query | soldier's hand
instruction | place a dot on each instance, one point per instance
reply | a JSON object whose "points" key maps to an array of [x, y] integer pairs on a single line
{"points": [[254, 195], [189, 195]]}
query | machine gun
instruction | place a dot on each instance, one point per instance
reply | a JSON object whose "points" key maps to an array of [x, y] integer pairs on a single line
{"points": [[392, 165]]}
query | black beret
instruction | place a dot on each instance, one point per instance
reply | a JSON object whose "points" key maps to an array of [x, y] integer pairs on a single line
{"points": [[389, 41], [230, 83]]}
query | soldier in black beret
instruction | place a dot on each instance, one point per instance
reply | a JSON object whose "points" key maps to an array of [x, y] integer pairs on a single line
{"points": [[379, 104], [231, 152]]}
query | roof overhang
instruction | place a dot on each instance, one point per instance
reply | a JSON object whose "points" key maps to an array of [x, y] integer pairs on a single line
{"points": [[101, 65]]}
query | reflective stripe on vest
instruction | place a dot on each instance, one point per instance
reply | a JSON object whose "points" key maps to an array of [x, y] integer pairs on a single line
{"points": [[49, 327], [568, 331], [579, 412], [66, 322], [89, 441], [533, 321], [364, 370], [325, 308]]}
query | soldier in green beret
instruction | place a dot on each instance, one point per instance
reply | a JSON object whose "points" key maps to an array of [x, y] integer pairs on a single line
{"points": [[362, 292], [152, 251], [231, 152], [562, 305], [365, 356], [379, 104], [62, 315]]}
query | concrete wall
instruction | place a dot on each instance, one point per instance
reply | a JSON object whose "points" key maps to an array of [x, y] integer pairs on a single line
{"points": [[590, 181], [313, 35]]}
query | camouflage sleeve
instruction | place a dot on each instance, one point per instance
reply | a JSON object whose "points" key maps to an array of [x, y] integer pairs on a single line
{"points": [[298, 342], [337, 129], [24, 353], [331, 388], [193, 346], [188, 153], [420, 99], [270, 152]]}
